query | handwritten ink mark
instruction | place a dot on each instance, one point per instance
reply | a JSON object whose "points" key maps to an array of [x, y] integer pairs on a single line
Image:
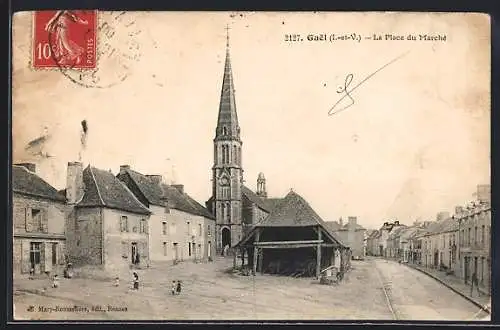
{"points": [[348, 92]]}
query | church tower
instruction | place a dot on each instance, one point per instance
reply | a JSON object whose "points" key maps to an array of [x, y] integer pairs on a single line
{"points": [[227, 173]]}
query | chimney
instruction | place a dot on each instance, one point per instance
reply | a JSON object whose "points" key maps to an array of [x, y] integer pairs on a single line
{"points": [[352, 221], [74, 182], [156, 178], [484, 193], [179, 187], [29, 166], [396, 223], [386, 224], [124, 168], [341, 222], [442, 215]]}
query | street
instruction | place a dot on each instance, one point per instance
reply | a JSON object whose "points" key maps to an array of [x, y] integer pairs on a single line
{"points": [[416, 296], [211, 292]]}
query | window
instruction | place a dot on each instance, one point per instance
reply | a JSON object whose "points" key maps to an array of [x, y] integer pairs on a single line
{"points": [[199, 229], [224, 130], [209, 233], [228, 213], [468, 237], [189, 228], [124, 224], [36, 216], [165, 248], [475, 235], [189, 248], [482, 234], [35, 248], [164, 228], [142, 226]]}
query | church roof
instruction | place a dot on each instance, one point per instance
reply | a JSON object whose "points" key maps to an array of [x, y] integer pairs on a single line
{"points": [[103, 189], [29, 183], [228, 116], [260, 202]]}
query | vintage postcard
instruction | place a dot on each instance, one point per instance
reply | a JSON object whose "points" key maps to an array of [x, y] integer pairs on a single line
{"points": [[251, 166]]}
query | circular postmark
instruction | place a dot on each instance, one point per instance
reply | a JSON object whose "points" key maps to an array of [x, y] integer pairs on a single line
{"points": [[114, 42]]}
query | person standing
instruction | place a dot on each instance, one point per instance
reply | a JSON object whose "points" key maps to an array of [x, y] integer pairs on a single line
{"points": [[474, 282], [136, 281], [174, 287]]}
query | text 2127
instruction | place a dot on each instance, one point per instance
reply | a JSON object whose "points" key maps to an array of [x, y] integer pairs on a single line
{"points": [[293, 37]]}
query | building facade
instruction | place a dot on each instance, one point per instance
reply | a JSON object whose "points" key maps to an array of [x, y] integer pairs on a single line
{"points": [[106, 225], [353, 235], [38, 223], [181, 229], [474, 237]]}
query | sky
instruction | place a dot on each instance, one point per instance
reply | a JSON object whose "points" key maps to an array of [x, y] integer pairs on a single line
{"points": [[415, 142]]}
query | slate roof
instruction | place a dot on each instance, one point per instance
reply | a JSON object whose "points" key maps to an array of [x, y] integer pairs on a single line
{"points": [[151, 190], [183, 202], [28, 183], [103, 189], [255, 199], [294, 211]]}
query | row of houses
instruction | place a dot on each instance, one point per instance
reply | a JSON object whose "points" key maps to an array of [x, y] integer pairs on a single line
{"points": [[459, 244], [352, 233], [114, 221]]}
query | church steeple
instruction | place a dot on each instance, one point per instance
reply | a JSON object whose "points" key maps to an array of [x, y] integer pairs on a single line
{"points": [[227, 171], [227, 122]]}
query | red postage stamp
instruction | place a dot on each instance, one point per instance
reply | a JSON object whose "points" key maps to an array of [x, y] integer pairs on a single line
{"points": [[65, 39]]}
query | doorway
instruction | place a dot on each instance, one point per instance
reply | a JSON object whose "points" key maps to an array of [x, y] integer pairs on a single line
{"points": [[54, 254], [35, 256], [466, 269], [226, 237], [209, 252], [135, 254], [176, 252]]}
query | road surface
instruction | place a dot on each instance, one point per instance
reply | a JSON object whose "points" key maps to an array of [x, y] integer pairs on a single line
{"points": [[416, 296]]}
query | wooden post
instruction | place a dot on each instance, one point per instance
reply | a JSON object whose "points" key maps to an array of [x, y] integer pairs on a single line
{"points": [[318, 255], [234, 258], [261, 260], [255, 251]]}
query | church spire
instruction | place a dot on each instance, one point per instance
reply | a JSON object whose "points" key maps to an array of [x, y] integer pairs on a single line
{"points": [[227, 123]]}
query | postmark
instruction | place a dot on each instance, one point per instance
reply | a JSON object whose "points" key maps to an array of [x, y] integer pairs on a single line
{"points": [[65, 39], [116, 49]]}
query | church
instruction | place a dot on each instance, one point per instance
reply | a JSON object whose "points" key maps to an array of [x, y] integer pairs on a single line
{"points": [[235, 207]]}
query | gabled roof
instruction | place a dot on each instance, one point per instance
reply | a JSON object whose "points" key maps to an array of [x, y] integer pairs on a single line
{"points": [[396, 232], [294, 211], [183, 202], [356, 226], [103, 189], [272, 202], [375, 233], [333, 225], [149, 189], [28, 183]]}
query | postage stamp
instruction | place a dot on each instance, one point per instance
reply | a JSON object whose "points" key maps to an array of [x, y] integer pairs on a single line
{"points": [[64, 39]]}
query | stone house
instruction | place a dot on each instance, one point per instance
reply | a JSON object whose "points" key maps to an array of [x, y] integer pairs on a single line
{"points": [[352, 234], [38, 223], [474, 238], [393, 247], [106, 225], [180, 227], [372, 243], [383, 236]]}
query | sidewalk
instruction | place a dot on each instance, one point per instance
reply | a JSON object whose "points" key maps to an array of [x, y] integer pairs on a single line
{"points": [[457, 285]]}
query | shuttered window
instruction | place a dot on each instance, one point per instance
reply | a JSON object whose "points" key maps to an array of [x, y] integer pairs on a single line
{"points": [[27, 219], [124, 224], [124, 250]]}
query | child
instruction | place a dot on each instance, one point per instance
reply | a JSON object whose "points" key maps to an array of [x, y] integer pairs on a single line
{"points": [[117, 281], [55, 282], [174, 287], [136, 281], [179, 287]]}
